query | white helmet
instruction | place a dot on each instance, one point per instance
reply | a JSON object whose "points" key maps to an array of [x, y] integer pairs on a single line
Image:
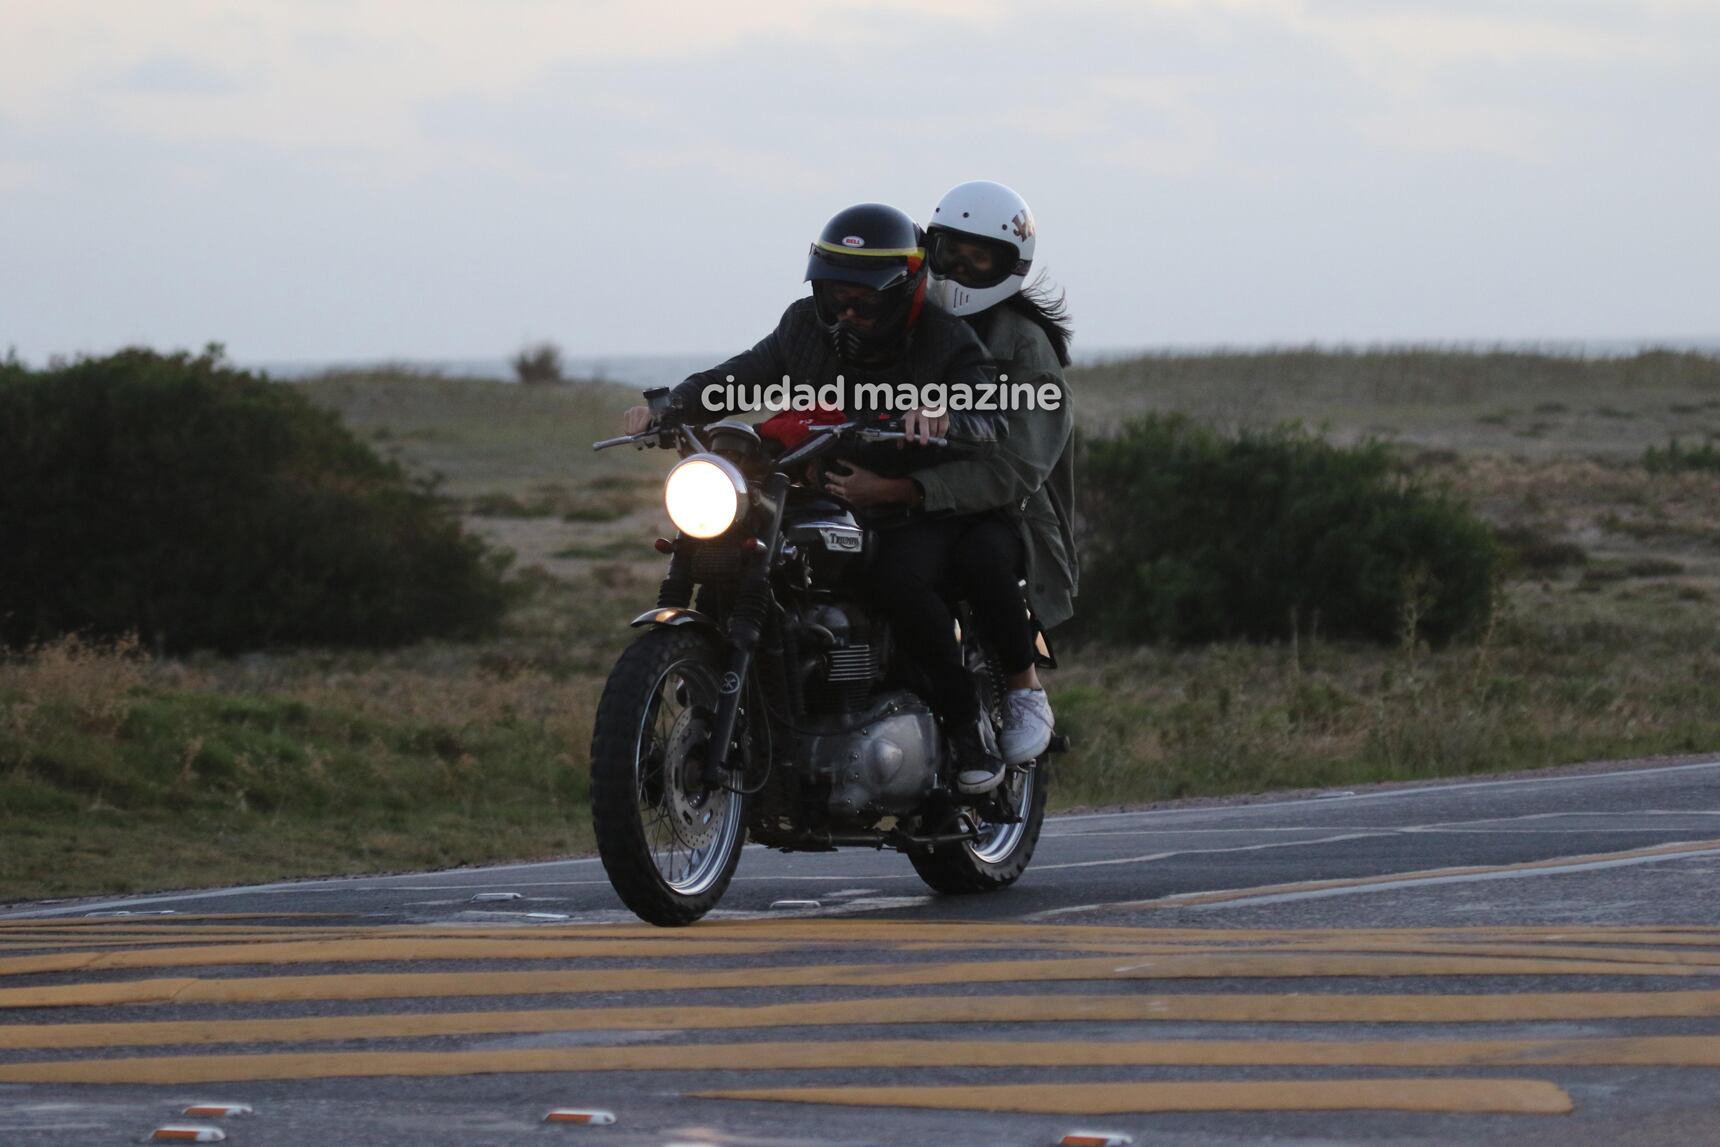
{"points": [[979, 246]]}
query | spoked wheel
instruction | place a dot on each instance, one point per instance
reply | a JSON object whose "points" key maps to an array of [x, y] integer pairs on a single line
{"points": [[1002, 852], [668, 842]]}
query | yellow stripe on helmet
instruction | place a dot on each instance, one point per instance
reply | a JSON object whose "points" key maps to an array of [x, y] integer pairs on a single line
{"points": [[891, 252]]}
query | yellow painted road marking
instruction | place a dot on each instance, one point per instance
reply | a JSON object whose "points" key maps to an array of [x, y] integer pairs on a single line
{"points": [[379, 950], [1192, 900], [850, 931], [178, 917], [1498, 1096], [889, 1010], [401, 985], [854, 928], [407, 948], [1647, 1051]]}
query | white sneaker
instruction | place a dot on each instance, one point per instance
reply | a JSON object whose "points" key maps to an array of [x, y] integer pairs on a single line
{"points": [[1026, 725], [982, 768]]}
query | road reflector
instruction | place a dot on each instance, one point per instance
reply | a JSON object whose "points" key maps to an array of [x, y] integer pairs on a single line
{"points": [[592, 1117], [219, 1110], [1095, 1139], [188, 1133], [789, 905], [493, 897]]}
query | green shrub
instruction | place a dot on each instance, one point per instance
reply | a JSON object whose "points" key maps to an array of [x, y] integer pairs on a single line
{"points": [[1531, 552], [539, 363], [205, 507], [1191, 536], [1678, 457]]}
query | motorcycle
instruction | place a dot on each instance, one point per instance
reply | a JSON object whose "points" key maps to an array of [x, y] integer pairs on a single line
{"points": [[773, 705]]}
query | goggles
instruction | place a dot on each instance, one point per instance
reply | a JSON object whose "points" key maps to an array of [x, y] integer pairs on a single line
{"points": [[970, 260], [836, 299]]}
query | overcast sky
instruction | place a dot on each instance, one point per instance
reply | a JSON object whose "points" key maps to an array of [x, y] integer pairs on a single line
{"points": [[327, 179]]}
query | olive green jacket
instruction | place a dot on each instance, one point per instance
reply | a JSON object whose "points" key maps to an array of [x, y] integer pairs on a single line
{"points": [[1031, 474]]}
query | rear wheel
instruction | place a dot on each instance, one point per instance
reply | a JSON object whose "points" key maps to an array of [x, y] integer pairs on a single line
{"points": [[1002, 852], [669, 843]]}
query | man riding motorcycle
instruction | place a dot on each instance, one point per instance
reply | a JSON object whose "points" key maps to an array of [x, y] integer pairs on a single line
{"points": [[866, 322]]}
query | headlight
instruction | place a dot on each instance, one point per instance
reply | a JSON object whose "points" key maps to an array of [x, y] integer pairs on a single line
{"points": [[704, 495]]}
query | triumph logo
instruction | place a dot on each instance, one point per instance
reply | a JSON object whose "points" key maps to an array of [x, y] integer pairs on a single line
{"points": [[849, 541]]}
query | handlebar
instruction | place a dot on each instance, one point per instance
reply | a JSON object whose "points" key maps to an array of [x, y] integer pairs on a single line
{"points": [[870, 434], [820, 435]]}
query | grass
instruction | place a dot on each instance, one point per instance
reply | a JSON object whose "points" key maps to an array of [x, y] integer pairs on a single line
{"points": [[1509, 402], [1677, 457], [122, 773], [485, 438], [1563, 678]]}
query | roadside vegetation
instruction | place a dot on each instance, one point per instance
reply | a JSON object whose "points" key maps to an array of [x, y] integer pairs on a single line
{"points": [[202, 507], [123, 770]]}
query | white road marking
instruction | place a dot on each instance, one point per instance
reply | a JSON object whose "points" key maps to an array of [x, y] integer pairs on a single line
{"points": [[1467, 878], [1151, 856], [1391, 794], [1212, 831], [1373, 885], [1474, 825]]}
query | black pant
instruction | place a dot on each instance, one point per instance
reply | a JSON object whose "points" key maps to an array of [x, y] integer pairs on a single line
{"points": [[925, 564]]}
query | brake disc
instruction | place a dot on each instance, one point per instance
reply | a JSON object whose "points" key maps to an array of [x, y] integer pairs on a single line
{"points": [[693, 812]]}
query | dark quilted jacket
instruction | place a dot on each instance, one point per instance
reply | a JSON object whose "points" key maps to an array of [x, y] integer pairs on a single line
{"points": [[942, 349]]}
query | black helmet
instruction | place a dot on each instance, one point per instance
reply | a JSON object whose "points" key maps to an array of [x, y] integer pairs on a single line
{"points": [[876, 246]]}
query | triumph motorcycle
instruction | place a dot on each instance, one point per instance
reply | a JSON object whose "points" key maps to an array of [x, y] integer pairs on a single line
{"points": [[765, 698]]}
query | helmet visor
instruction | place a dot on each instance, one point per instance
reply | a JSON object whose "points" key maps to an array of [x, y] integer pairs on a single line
{"points": [[970, 260]]}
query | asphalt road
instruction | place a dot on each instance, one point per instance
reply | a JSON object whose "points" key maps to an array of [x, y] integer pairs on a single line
{"points": [[1530, 960]]}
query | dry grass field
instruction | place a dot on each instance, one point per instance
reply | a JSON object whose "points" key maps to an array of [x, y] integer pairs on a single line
{"points": [[205, 770]]}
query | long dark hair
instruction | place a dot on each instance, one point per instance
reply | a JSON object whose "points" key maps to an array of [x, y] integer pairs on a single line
{"points": [[1047, 312]]}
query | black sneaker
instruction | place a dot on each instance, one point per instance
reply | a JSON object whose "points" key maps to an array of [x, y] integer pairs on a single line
{"points": [[978, 767]]}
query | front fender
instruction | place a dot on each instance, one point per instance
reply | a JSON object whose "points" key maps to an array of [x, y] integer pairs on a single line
{"points": [[676, 615]]}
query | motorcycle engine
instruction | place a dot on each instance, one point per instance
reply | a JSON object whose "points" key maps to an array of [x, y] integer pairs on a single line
{"points": [[838, 663], [876, 748], [884, 764]]}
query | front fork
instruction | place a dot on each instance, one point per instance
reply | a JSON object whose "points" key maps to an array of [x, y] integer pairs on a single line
{"points": [[746, 624]]}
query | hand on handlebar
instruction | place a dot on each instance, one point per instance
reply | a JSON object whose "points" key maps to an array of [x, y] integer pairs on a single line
{"points": [[920, 427], [637, 420]]}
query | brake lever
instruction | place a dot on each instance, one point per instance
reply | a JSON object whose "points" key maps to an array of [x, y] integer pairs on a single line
{"points": [[642, 439], [869, 434]]}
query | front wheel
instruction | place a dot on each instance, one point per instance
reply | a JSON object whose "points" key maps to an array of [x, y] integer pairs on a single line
{"points": [[669, 843], [1001, 854]]}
